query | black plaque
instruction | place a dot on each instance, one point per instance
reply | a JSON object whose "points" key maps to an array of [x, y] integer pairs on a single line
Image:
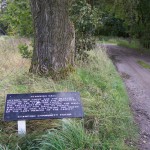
{"points": [[43, 106]]}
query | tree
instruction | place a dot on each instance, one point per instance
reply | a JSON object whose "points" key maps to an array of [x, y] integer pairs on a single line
{"points": [[137, 16], [54, 37], [17, 19]]}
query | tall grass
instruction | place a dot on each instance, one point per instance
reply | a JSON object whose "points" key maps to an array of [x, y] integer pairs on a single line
{"points": [[108, 122], [72, 136]]}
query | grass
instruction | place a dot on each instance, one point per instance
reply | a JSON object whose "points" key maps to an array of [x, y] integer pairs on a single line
{"points": [[108, 123], [125, 42], [143, 64], [71, 137]]}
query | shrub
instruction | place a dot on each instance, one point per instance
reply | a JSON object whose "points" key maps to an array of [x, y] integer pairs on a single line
{"points": [[84, 43], [85, 19], [17, 18]]}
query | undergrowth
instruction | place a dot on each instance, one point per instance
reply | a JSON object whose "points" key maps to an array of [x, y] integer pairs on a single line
{"points": [[107, 124]]}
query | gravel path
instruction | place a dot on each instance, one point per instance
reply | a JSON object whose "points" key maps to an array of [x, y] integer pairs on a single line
{"points": [[137, 81]]}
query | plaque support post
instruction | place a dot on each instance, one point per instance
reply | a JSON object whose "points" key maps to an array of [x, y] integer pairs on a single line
{"points": [[21, 127]]}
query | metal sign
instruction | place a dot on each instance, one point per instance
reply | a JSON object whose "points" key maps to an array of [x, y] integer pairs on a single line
{"points": [[43, 106]]}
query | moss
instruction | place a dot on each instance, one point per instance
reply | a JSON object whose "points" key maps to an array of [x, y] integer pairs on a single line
{"points": [[143, 64], [63, 73]]}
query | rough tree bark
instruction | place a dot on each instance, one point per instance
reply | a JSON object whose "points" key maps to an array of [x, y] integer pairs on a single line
{"points": [[3, 5], [54, 37]]}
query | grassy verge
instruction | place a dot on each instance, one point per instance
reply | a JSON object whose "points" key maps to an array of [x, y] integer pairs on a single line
{"points": [[129, 43], [107, 125], [143, 64]]}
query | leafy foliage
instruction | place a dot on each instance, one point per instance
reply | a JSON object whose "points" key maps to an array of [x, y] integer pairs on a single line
{"points": [[24, 51], [85, 19], [84, 16], [112, 26], [17, 18], [90, 17], [137, 16]]}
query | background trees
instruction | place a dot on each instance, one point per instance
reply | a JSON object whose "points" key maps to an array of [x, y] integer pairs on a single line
{"points": [[137, 18], [17, 20], [123, 18]]}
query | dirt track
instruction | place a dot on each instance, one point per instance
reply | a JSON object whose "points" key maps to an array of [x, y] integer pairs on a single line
{"points": [[137, 81]]}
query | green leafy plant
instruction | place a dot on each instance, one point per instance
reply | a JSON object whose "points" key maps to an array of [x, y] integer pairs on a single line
{"points": [[85, 20], [24, 51], [17, 18]]}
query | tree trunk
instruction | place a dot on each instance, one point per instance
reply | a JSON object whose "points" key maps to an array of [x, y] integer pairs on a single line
{"points": [[3, 5], [54, 41]]}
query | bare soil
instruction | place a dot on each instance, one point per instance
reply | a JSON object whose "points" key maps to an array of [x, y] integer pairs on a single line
{"points": [[137, 81]]}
